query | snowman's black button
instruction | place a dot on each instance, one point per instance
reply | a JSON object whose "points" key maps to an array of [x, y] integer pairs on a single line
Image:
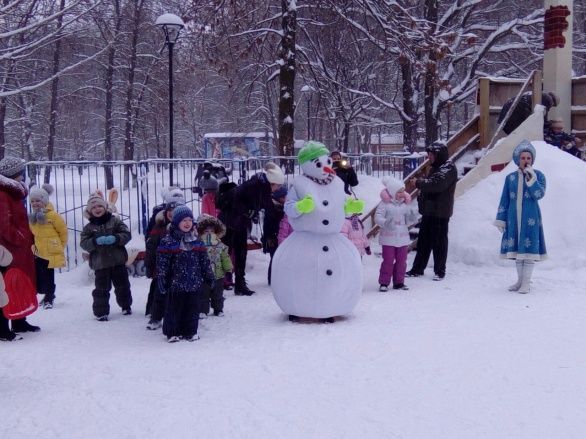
{"points": [[329, 272], [325, 202], [325, 222], [325, 248]]}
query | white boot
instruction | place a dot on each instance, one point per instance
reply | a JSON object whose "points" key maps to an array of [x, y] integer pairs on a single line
{"points": [[517, 285], [526, 278]]}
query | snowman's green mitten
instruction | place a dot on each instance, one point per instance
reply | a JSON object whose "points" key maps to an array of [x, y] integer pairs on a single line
{"points": [[353, 206], [305, 205]]}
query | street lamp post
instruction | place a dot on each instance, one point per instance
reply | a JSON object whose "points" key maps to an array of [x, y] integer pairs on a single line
{"points": [[171, 25], [307, 90]]}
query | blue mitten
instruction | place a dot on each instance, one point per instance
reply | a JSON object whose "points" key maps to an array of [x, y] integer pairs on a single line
{"points": [[109, 239], [106, 240]]}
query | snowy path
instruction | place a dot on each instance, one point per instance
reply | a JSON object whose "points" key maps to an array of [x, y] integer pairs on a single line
{"points": [[455, 359]]}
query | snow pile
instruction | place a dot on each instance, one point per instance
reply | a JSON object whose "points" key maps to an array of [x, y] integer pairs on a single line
{"points": [[474, 240]]}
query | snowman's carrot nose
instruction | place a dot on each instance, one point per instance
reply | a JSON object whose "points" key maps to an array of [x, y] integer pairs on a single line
{"points": [[329, 170]]}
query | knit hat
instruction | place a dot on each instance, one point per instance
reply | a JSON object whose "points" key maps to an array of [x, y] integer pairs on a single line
{"points": [[11, 167], [550, 99], [393, 185], [312, 150], [274, 173], [205, 221], [173, 193], [95, 199], [180, 213], [524, 146], [41, 193]]}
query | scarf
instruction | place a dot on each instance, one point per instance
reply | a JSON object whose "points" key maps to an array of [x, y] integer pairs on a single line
{"points": [[323, 182], [356, 223], [38, 216]]}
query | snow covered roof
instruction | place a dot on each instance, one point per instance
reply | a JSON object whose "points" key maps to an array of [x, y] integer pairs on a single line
{"points": [[256, 134], [387, 139]]}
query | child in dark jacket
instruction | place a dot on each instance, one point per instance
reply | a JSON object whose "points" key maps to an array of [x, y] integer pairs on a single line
{"points": [[104, 238], [210, 231], [183, 268], [156, 301]]}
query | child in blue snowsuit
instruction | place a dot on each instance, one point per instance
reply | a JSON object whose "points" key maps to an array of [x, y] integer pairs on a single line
{"points": [[183, 268], [519, 217]]}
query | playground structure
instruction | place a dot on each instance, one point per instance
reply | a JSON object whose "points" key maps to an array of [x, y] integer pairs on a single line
{"points": [[480, 135]]}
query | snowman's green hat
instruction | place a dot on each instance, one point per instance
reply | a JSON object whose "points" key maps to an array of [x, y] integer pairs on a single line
{"points": [[312, 150]]}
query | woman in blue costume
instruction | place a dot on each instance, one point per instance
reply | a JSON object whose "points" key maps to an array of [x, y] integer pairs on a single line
{"points": [[519, 216]]}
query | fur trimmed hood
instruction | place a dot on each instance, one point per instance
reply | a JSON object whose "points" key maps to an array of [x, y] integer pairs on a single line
{"points": [[204, 221]]}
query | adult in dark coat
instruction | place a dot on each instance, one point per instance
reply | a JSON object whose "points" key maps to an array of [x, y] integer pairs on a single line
{"points": [[15, 234], [524, 109], [345, 171], [436, 205], [270, 226], [247, 200]]}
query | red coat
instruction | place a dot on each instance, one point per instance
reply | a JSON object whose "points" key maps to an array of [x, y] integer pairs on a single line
{"points": [[15, 233]]}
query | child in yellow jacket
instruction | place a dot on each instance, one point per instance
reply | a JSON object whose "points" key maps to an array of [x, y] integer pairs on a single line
{"points": [[50, 233]]}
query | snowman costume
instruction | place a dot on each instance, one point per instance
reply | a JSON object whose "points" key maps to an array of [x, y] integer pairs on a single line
{"points": [[317, 272]]}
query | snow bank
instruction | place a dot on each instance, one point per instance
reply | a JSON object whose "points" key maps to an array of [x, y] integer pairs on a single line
{"points": [[475, 241]]}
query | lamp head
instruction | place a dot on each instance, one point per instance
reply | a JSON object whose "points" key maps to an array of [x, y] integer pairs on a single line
{"points": [[171, 25]]}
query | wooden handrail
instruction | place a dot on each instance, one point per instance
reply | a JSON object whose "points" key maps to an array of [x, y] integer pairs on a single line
{"points": [[535, 79], [458, 144]]}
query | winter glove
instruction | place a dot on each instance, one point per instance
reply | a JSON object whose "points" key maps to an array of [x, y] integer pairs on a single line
{"points": [[352, 206], [530, 176], [106, 240], [367, 250], [306, 205]]}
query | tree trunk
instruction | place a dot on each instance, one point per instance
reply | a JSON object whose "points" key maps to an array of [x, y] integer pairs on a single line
{"points": [[2, 129], [345, 136], [287, 54], [129, 120], [409, 107], [431, 71], [54, 98], [109, 88]]}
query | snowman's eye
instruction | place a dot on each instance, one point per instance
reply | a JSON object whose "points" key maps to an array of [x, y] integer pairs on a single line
{"points": [[329, 161], [318, 164]]}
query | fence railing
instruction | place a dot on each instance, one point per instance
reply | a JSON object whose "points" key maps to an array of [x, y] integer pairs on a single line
{"points": [[140, 184]]}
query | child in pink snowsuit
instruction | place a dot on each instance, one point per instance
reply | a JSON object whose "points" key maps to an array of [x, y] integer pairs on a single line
{"points": [[393, 215], [354, 231], [285, 229]]}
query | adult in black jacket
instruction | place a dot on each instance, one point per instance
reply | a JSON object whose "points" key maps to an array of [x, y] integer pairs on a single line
{"points": [[344, 170], [247, 200], [270, 226], [524, 109], [436, 204]]}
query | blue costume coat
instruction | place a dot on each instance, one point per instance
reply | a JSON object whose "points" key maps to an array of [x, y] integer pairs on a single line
{"points": [[519, 214]]}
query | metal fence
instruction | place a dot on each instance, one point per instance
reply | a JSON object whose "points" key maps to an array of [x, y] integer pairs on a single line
{"points": [[140, 185]]}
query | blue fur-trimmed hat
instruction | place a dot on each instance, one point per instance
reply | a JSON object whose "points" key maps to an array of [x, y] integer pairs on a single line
{"points": [[524, 146], [180, 213]]}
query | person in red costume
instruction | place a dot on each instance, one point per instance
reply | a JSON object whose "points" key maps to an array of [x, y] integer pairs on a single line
{"points": [[15, 235]]}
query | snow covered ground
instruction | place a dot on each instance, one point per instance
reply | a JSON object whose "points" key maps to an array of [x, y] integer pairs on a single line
{"points": [[462, 358]]}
